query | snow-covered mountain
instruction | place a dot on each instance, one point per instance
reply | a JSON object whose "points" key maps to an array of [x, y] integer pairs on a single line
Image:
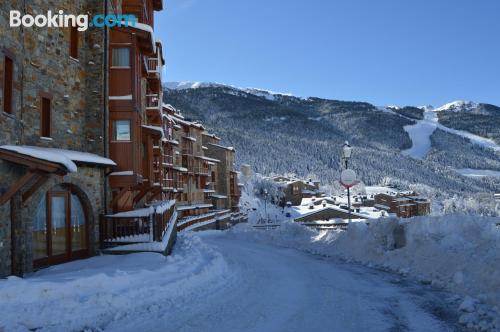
{"points": [[280, 133], [458, 106], [270, 95]]}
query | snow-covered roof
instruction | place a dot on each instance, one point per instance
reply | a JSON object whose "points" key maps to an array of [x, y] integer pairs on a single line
{"points": [[155, 128], [209, 159], [67, 158], [148, 29], [230, 148]]}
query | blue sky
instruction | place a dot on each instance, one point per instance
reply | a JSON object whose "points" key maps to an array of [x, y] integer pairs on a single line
{"points": [[381, 51]]}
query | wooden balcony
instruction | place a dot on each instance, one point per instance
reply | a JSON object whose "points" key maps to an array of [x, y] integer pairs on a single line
{"points": [[153, 66], [126, 231], [168, 161], [153, 102]]}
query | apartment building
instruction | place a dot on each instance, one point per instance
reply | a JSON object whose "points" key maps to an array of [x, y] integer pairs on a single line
{"points": [[52, 175], [90, 156], [226, 183]]}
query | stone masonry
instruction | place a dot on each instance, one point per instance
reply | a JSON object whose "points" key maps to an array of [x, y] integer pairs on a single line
{"points": [[42, 65]]}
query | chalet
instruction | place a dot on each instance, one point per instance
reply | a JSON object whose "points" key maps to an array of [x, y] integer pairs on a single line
{"points": [[294, 190], [403, 204]]}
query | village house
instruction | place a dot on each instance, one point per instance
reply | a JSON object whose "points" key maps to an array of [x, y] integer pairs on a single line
{"points": [[294, 190], [404, 204]]}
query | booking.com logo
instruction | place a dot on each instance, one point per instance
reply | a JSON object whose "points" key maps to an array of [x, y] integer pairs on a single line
{"points": [[62, 20]]}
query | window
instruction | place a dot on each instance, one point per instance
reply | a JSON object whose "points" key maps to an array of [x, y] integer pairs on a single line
{"points": [[121, 130], [120, 57], [73, 42], [7, 84], [45, 121]]}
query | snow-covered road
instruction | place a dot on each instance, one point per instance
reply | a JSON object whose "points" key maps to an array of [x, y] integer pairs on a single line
{"points": [[279, 289], [233, 283]]}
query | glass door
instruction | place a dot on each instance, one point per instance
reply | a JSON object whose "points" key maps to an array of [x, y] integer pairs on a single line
{"points": [[60, 231], [58, 219]]}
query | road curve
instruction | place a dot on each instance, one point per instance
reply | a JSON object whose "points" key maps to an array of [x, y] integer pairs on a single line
{"points": [[278, 289]]}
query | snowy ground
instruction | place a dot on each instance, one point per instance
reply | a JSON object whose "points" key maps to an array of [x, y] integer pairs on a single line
{"points": [[239, 280]]}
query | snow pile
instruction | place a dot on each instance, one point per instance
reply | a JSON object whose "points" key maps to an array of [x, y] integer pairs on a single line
{"points": [[97, 293], [460, 253]]}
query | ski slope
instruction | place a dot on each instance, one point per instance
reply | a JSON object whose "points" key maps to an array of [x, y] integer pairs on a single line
{"points": [[220, 281], [420, 135]]}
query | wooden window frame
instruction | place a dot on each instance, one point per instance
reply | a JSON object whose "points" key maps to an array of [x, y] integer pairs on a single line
{"points": [[49, 97], [113, 131], [116, 47], [8, 84]]}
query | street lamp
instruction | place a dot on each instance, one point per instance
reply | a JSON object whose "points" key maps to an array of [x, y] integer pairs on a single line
{"points": [[265, 201], [348, 176], [346, 154]]}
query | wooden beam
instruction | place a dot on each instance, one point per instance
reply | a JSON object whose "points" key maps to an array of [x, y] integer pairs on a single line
{"points": [[141, 194], [40, 182], [155, 192], [33, 163], [16, 187], [119, 195]]}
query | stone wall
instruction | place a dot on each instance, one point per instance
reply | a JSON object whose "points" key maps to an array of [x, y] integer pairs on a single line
{"points": [[87, 183], [42, 65]]}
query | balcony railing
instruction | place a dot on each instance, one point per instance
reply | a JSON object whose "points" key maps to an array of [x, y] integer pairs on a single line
{"points": [[153, 102], [168, 160], [153, 66], [168, 183], [150, 226], [201, 170]]}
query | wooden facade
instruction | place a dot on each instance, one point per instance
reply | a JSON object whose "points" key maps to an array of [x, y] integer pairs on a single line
{"points": [[404, 205], [135, 110]]}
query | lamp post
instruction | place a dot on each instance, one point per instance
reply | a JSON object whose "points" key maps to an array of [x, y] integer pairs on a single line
{"points": [[348, 177], [265, 202], [346, 154]]}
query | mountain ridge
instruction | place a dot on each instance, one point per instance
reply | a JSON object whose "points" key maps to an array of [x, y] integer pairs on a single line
{"points": [[284, 133]]}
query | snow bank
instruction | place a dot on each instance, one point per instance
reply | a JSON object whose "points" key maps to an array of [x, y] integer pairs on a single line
{"points": [[459, 253], [94, 293]]}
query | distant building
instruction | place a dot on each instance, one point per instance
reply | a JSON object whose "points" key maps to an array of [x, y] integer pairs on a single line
{"points": [[403, 204], [227, 190], [295, 190]]}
